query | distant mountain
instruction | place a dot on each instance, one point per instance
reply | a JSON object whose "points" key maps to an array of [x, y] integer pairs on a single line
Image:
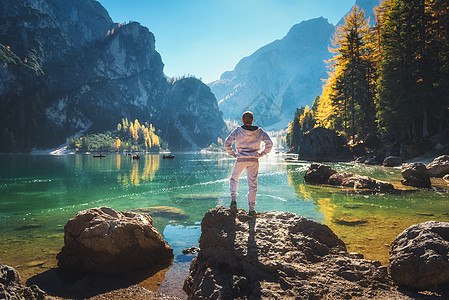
{"points": [[281, 76], [80, 71], [368, 8], [278, 77]]}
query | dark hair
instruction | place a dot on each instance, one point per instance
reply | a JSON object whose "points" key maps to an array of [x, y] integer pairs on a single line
{"points": [[247, 117]]}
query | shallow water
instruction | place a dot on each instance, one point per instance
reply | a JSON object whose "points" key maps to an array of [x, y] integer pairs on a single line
{"points": [[38, 194]]}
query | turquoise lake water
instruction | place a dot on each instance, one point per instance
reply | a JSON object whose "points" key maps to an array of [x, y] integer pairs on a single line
{"points": [[38, 194]]}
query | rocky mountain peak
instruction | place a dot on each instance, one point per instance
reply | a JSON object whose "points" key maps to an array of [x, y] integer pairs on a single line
{"points": [[89, 74], [82, 21], [127, 51], [308, 31], [283, 75], [278, 77]]}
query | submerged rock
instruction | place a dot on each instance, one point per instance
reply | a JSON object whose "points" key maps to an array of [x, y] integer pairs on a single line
{"points": [[392, 161], [167, 212], [419, 256], [416, 175], [439, 166], [12, 288], [109, 241], [278, 255], [322, 174]]}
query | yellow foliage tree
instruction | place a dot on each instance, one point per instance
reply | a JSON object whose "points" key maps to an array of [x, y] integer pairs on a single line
{"points": [[118, 143]]}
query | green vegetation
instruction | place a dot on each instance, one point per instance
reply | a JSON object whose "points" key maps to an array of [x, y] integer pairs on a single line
{"points": [[390, 79], [216, 147], [23, 121], [303, 121], [129, 136], [7, 56]]}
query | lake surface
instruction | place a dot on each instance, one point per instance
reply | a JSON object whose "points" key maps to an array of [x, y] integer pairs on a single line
{"points": [[38, 194]]}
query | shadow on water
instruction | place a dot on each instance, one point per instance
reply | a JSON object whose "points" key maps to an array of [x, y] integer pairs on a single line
{"points": [[81, 285]]}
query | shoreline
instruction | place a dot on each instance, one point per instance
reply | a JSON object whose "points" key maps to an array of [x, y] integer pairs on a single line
{"points": [[348, 232]]}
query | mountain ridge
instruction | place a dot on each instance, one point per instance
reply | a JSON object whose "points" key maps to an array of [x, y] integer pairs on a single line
{"points": [[277, 63], [89, 73], [289, 74]]}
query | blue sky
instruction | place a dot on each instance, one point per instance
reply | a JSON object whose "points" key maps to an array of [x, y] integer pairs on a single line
{"points": [[207, 37]]}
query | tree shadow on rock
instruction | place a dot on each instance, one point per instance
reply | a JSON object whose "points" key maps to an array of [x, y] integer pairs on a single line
{"points": [[81, 285]]}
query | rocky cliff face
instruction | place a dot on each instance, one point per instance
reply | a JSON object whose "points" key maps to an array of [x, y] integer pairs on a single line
{"points": [[281, 76], [77, 71], [121, 75], [193, 110]]}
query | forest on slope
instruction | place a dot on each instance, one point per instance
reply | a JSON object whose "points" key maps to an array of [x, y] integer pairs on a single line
{"points": [[388, 80]]}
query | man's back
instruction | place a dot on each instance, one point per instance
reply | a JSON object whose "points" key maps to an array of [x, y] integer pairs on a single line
{"points": [[248, 141]]}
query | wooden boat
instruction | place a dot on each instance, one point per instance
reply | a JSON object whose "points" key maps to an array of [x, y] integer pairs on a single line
{"points": [[136, 156], [290, 159], [169, 156], [99, 155]]}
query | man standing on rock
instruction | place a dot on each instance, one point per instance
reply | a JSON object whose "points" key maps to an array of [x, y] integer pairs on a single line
{"points": [[247, 143]]}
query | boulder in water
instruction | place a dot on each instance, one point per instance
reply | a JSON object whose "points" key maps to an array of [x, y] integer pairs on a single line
{"points": [[416, 175], [318, 174], [322, 174], [419, 256], [439, 166], [112, 242], [360, 182]]}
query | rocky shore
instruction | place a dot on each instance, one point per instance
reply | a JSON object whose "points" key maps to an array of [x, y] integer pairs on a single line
{"points": [[281, 255], [277, 255], [415, 174]]}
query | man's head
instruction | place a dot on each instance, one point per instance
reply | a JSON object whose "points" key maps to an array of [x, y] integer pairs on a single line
{"points": [[247, 118]]}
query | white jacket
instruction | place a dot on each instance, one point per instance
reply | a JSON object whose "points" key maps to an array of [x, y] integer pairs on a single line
{"points": [[247, 142]]}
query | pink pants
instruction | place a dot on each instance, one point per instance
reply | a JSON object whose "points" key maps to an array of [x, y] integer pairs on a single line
{"points": [[252, 169]]}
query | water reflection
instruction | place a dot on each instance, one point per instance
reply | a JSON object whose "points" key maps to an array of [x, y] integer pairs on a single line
{"points": [[132, 176], [369, 223]]}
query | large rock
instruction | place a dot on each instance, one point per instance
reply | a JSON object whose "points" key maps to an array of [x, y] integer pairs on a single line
{"points": [[360, 182], [108, 241], [416, 175], [322, 174], [419, 256], [322, 144], [392, 161], [12, 288], [318, 174], [278, 255], [446, 178], [439, 166]]}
